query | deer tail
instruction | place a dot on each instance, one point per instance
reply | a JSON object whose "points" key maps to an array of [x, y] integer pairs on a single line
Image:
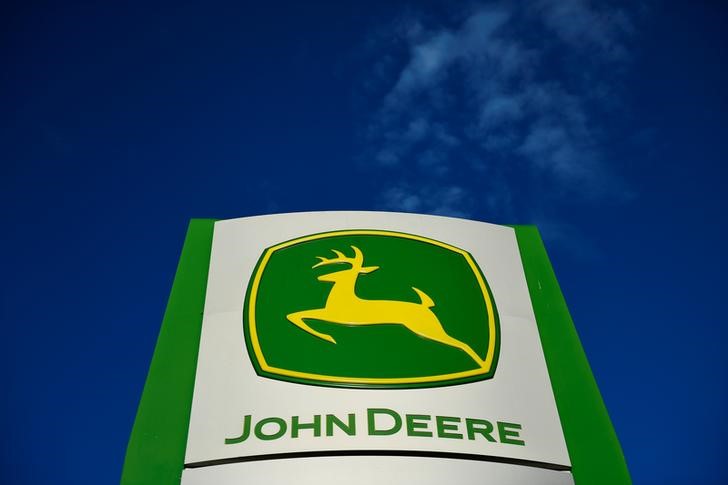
{"points": [[426, 300]]}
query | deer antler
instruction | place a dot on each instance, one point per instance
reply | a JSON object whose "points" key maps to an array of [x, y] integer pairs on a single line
{"points": [[356, 261]]}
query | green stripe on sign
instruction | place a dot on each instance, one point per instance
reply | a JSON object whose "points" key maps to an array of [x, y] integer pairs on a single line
{"points": [[594, 449], [156, 450]]}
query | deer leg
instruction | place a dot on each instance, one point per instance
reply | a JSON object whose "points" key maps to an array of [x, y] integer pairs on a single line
{"points": [[469, 350], [453, 342], [438, 334], [297, 320]]}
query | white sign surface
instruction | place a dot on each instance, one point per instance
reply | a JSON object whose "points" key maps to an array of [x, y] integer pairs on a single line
{"points": [[368, 470], [517, 402]]}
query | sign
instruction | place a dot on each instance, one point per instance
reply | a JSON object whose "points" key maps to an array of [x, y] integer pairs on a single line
{"points": [[377, 342], [381, 330]]}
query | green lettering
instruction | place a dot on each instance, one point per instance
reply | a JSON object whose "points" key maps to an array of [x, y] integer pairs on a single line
{"points": [[242, 437], [349, 428], [444, 428], [297, 426], [508, 435], [479, 426], [274, 436], [373, 431], [414, 424]]}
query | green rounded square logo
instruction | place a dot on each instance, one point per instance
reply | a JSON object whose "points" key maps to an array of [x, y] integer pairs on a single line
{"points": [[371, 309]]}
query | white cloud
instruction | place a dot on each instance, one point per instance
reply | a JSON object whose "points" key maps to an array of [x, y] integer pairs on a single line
{"points": [[401, 199], [431, 55], [497, 110], [447, 200], [429, 61], [579, 22], [416, 130], [505, 94]]}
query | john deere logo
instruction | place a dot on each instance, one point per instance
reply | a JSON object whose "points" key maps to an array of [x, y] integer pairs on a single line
{"points": [[366, 308]]}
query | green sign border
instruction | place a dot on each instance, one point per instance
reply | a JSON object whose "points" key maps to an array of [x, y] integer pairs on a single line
{"points": [[595, 453], [156, 449]]}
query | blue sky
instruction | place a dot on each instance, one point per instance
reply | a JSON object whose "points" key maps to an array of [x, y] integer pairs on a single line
{"points": [[603, 123]]}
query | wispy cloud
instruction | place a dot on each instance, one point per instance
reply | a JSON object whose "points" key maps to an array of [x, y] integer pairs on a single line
{"points": [[580, 22], [446, 200], [477, 107]]}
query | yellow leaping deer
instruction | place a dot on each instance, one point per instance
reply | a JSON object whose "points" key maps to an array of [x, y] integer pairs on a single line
{"points": [[344, 307]]}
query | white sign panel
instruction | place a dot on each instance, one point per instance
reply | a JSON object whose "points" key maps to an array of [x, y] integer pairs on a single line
{"points": [[361, 331], [367, 470]]}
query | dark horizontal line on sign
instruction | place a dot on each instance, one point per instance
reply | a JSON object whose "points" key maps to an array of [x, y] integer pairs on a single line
{"points": [[426, 454]]}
